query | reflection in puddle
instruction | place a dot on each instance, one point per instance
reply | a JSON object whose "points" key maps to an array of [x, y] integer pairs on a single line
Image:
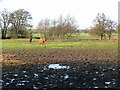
{"points": [[84, 83], [20, 84], [1, 81], [26, 76], [113, 69], [71, 83], [96, 87], [107, 82], [7, 83], [86, 72], [45, 77], [57, 66], [35, 75], [102, 74], [12, 80], [24, 81], [66, 77], [15, 75], [35, 87], [24, 71], [94, 79], [96, 72]]}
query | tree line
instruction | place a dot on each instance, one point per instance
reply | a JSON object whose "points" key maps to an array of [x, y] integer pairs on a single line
{"points": [[18, 24], [57, 27]]}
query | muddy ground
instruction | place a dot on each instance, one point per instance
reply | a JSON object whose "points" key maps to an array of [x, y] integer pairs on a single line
{"points": [[87, 68]]}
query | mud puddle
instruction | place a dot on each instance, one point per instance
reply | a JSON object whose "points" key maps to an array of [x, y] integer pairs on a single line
{"points": [[59, 76]]}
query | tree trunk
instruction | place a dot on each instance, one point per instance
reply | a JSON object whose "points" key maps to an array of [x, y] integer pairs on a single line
{"points": [[3, 34], [101, 37], [3, 37], [109, 37]]}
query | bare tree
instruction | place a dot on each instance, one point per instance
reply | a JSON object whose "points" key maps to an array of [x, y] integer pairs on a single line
{"points": [[43, 26], [110, 27], [102, 26], [57, 27], [4, 22], [66, 25], [70, 24]]}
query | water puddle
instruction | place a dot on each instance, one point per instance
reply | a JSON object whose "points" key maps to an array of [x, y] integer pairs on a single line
{"points": [[12, 80], [107, 82], [96, 87], [35, 87], [96, 72], [66, 77], [94, 79], [1, 81], [46, 78], [35, 75], [15, 75], [57, 66], [71, 83], [23, 81], [20, 84], [24, 71]]}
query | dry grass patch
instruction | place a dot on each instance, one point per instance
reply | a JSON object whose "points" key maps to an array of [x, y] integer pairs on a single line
{"points": [[7, 55], [18, 62]]}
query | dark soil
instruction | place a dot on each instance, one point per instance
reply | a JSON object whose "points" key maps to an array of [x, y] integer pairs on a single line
{"points": [[88, 68]]}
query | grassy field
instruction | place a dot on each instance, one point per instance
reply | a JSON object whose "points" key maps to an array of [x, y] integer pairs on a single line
{"points": [[24, 44]]}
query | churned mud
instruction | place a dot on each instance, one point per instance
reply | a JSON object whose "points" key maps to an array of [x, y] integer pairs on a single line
{"points": [[60, 68]]}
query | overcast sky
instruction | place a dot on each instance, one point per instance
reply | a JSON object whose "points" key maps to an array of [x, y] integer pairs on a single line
{"points": [[83, 10]]}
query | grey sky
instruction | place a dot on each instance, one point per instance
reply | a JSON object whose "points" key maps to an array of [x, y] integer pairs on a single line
{"points": [[83, 10]]}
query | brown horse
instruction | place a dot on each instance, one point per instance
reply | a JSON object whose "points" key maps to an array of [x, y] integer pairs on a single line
{"points": [[42, 41]]}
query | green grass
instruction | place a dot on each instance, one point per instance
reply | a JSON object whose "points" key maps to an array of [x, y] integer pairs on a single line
{"points": [[17, 44], [79, 36], [37, 35], [90, 45]]}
